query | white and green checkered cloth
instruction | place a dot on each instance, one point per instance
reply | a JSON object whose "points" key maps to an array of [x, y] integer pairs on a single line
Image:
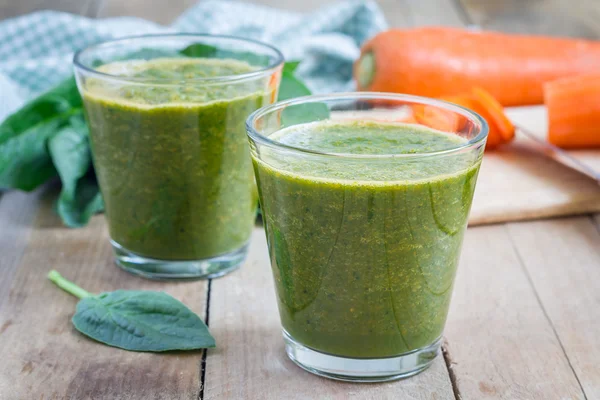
{"points": [[36, 49]]}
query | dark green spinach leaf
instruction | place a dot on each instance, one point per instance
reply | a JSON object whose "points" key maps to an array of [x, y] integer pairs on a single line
{"points": [[291, 87], [70, 151], [25, 162], [136, 320], [205, 50], [290, 66]]}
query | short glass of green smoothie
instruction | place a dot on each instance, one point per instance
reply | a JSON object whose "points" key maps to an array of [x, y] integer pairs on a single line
{"points": [[365, 199], [166, 115]]}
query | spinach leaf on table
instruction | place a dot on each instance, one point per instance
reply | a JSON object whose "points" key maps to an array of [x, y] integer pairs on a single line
{"points": [[136, 320]]}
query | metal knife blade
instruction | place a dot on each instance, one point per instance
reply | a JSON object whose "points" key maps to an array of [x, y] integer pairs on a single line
{"points": [[560, 155]]}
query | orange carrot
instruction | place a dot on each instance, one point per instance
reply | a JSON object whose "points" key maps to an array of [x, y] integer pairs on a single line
{"points": [[501, 130], [471, 102], [439, 61], [574, 111], [438, 118], [495, 115]]}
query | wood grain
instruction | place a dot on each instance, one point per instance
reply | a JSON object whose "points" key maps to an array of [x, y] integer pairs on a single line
{"points": [[17, 212], [500, 343], [13, 8], [596, 221], [44, 357], [160, 11], [562, 259], [253, 365], [422, 12], [544, 17], [400, 13]]}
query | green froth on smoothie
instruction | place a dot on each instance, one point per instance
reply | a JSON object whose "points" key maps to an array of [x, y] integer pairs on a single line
{"points": [[172, 80], [364, 253], [367, 138], [173, 161]]}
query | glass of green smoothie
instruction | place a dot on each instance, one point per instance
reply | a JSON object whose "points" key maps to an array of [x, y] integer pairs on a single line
{"points": [[365, 199], [166, 115]]}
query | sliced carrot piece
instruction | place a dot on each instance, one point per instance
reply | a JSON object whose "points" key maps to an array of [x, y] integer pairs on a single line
{"points": [[438, 118], [495, 112], [501, 129], [470, 101], [574, 111]]}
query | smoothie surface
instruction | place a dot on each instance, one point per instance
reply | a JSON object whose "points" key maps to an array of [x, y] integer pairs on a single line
{"points": [[174, 80], [368, 138]]}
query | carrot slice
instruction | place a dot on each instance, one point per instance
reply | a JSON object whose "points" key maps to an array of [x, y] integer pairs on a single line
{"points": [[495, 112], [472, 102], [438, 118], [501, 130], [574, 111]]}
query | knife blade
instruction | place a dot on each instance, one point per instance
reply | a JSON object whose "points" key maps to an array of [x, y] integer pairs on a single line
{"points": [[559, 154]]}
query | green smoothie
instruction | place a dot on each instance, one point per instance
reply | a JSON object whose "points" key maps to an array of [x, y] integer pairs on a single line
{"points": [[364, 252], [172, 157]]}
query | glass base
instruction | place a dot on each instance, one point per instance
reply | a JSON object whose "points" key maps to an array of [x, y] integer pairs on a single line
{"points": [[361, 369], [183, 269]]}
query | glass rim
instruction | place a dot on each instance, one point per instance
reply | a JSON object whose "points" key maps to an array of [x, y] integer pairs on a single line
{"points": [[257, 137], [78, 64]]}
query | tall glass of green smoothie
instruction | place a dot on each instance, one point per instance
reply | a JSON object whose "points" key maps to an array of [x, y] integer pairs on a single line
{"points": [[166, 115], [365, 199]]}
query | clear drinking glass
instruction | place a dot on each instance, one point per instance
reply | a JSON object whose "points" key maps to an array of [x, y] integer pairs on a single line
{"points": [[166, 116], [365, 199]]}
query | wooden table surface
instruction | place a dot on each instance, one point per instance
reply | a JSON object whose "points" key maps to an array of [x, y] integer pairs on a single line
{"points": [[524, 321]]}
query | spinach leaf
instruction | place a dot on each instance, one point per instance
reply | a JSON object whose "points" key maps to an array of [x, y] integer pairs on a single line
{"points": [[290, 66], [205, 50], [25, 162], [80, 197], [291, 87], [136, 320]]}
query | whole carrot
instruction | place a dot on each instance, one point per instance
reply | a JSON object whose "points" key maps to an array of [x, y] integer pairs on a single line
{"points": [[439, 61], [574, 111]]}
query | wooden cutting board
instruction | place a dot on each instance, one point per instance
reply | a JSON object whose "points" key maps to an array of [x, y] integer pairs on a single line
{"points": [[518, 182]]}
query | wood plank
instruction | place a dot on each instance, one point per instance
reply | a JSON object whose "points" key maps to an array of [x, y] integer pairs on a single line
{"points": [[17, 211], [520, 182], [160, 11], [422, 12], [544, 17], [252, 363], [44, 357], [12, 8], [403, 13], [562, 258], [500, 343], [517, 182]]}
